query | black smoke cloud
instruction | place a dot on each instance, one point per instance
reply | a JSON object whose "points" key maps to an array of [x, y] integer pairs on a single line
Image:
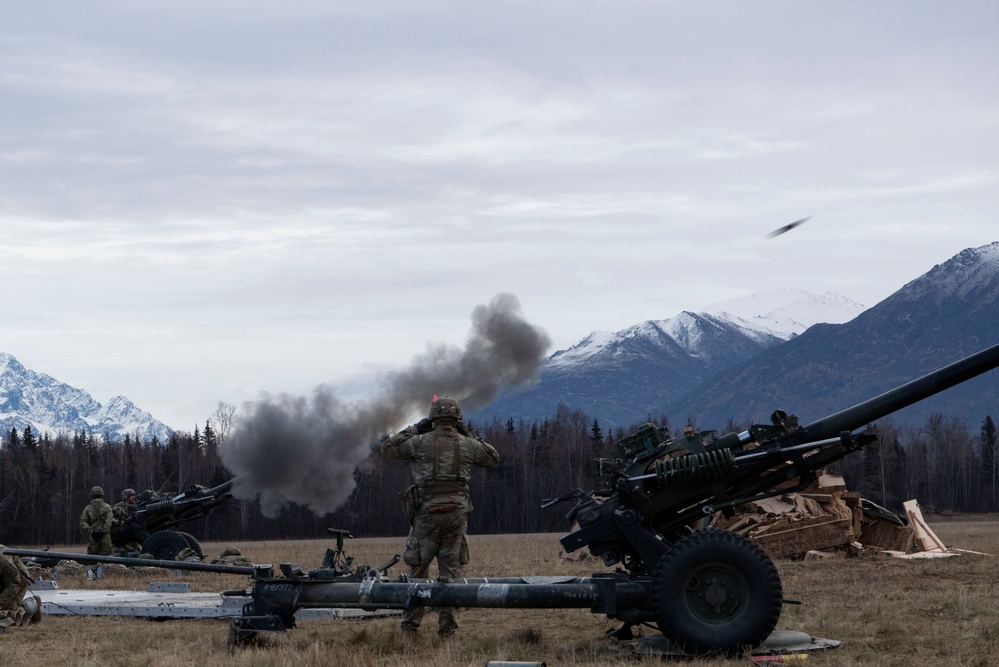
{"points": [[305, 449]]}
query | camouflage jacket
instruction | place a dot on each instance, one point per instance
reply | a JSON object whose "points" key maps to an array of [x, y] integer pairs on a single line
{"points": [[121, 512], [441, 461], [13, 581], [97, 516]]}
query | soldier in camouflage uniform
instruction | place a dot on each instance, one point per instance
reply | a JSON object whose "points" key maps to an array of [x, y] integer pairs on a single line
{"points": [[96, 523], [123, 508], [441, 453], [13, 582], [15, 608], [121, 530]]}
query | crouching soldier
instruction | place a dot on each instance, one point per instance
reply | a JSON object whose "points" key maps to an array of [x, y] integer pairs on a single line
{"points": [[15, 608]]}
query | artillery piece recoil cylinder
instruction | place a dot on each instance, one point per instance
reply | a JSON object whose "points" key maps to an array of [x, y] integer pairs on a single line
{"points": [[699, 467]]}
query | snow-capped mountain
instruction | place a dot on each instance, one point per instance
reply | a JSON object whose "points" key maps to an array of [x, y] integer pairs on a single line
{"points": [[948, 313], [807, 354], [786, 313], [37, 400], [762, 317], [625, 376]]}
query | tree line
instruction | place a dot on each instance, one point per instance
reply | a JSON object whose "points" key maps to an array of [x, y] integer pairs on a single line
{"points": [[45, 481]]}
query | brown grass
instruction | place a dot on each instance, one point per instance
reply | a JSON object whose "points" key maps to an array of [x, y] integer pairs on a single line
{"points": [[886, 612]]}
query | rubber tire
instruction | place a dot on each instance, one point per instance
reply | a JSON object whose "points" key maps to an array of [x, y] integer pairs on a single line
{"points": [[193, 544], [165, 544], [710, 563]]}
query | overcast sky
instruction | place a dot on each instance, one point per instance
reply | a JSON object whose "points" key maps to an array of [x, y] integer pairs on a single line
{"points": [[201, 201]]}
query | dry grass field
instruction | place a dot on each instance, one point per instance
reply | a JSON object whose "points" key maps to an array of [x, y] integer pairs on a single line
{"points": [[887, 612]]}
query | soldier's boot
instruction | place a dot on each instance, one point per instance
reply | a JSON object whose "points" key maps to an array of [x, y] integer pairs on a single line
{"points": [[446, 624], [411, 619]]}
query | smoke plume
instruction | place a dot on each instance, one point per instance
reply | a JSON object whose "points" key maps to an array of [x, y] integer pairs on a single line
{"points": [[305, 449]]}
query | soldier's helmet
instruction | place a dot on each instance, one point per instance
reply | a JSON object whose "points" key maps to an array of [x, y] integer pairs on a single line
{"points": [[126, 493], [97, 492], [445, 406]]}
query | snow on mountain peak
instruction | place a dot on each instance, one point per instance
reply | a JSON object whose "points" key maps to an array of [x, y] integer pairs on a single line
{"points": [[28, 398], [781, 313], [592, 345], [970, 270], [785, 313]]}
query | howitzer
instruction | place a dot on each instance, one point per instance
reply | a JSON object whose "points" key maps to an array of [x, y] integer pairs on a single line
{"points": [[712, 589], [705, 589], [150, 525], [274, 598]]}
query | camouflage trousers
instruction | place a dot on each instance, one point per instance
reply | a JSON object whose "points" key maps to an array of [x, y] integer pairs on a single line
{"points": [[11, 595], [12, 583], [99, 546], [440, 536]]}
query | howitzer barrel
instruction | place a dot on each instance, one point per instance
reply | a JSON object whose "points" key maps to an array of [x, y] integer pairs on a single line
{"points": [[133, 562], [504, 593], [225, 487], [912, 392], [215, 491]]}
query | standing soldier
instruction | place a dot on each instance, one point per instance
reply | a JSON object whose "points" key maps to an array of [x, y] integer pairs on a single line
{"points": [[96, 522], [441, 453]]}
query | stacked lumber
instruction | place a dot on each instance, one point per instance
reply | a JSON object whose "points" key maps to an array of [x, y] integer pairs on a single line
{"points": [[926, 542], [827, 521]]}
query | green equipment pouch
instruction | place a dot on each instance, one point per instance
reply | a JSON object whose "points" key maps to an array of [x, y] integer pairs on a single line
{"points": [[463, 556], [410, 499]]}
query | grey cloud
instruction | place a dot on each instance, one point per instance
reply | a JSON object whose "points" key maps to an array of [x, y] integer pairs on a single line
{"points": [[195, 183]]}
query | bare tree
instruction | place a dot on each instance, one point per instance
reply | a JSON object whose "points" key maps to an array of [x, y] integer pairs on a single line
{"points": [[222, 419]]}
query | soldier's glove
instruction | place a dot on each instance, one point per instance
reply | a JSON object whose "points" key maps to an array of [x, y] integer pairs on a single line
{"points": [[424, 426], [97, 534], [461, 428]]}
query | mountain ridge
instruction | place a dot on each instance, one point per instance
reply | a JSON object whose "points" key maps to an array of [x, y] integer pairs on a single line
{"points": [[718, 365], [619, 377], [737, 360], [29, 398], [946, 314]]}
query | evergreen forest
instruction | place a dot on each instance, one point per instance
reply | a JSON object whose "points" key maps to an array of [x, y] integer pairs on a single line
{"points": [[947, 464]]}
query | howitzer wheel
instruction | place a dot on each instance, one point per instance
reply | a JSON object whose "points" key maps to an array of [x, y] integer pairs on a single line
{"points": [[165, 544], [715, 590], [193, 543]]}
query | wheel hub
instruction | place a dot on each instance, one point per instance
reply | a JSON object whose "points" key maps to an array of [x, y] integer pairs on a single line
{"points": [[714, 592], [715, 595]]}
